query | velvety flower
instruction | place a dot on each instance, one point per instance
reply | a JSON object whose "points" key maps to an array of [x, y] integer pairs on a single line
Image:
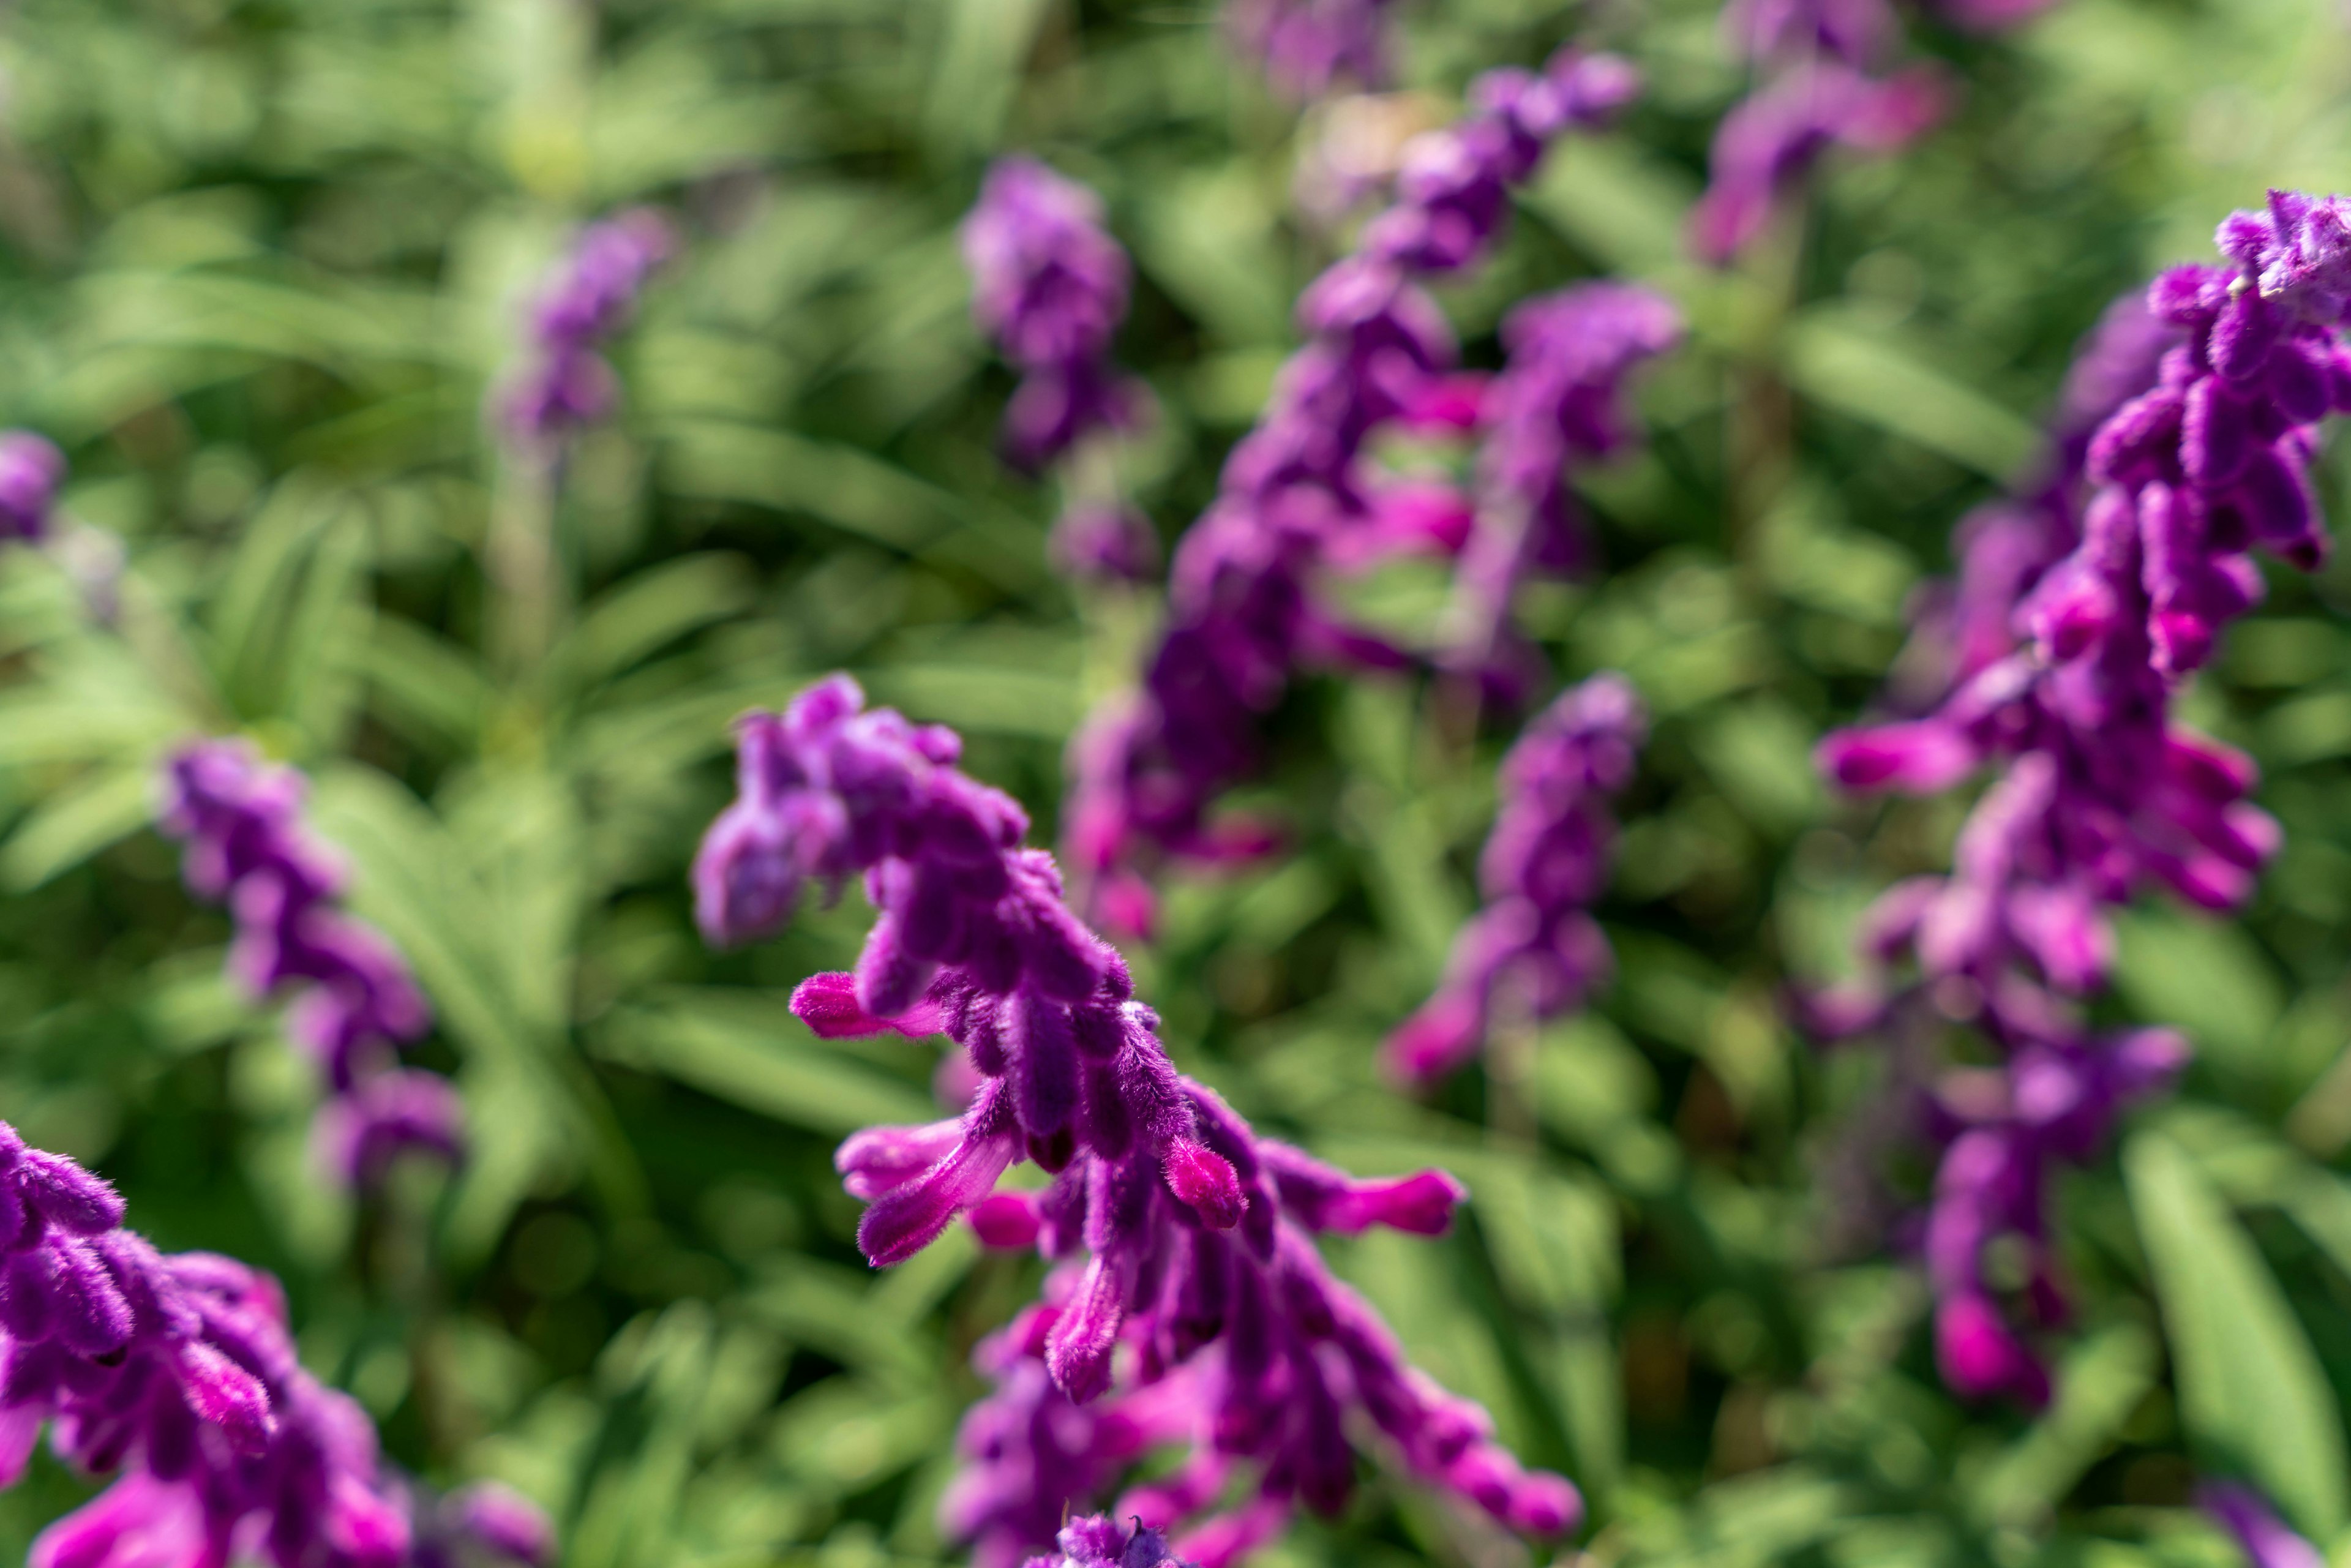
{"points": [[566, 385], [179, 1372], [1182, 1239], [2102, 795], [1771, 140], [2003, 548], [1309, 47], [354, 1002], [1299, 494], [1098, 1541], [1557, 402], [1103, 541], [1049, 288], [2267, 1540], [31, 469], [1533, 946]]}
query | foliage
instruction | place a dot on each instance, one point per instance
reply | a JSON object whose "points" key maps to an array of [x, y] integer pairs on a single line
{"points": [[264, 263]]}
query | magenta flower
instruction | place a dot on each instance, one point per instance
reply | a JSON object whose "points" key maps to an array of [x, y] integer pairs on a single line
{"points": [[354, 1001], [2103, 795], [1183, 1240], [1300, 494], [1821, 83], [1096, 1542], [31, 469], [179, 1372], [1558, 401], [1769, 143], [1533, 945], [1310, 46], [1049, 288], [566, 385], [2267, 1540]]}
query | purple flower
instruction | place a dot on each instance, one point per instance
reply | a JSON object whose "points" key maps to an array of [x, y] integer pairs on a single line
{"points": [[1097, 540], [2103, 795], [354, 1001], [2267, 1540], [1533, 943], [2003, 548], [1049, 288], [1183, 1239], [178, 1372], [566, 385], [1098, 1541], [1769, 143], [1309, 47], [1558, 401], [31, 469], [1299, 494]]}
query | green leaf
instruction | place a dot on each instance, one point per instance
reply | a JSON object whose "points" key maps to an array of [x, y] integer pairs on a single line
{"points": [[101, 809], [1871, 375], [2252, 1394]]}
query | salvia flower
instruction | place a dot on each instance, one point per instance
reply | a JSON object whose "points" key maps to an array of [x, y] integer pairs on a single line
{"points": [[2003, 546], [31, 469], [354, 1000], [1820, 82], [1558, 401], [2103, 795], [1768, 143], [1299, 493], [2268, 1541], [566, 384], [1184, 1240], [1104, 541], [1049, 288], [178, 1370], [1096, 1542], [1534, 945], [1310, 46]]}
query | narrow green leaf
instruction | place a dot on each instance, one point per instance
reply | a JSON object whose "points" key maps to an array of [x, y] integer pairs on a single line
{"points": [[2252, 1393]]}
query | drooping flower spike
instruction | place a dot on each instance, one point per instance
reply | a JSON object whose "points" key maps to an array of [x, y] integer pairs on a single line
{"points": [[566, 385], [1096, 1542], [1310, 46], [31, 469], [1299, 494], [178, 1372], [1049, 288], [1533, 946], [354, 1000], [2103, 795], [2267, 1540], [1822, 81], [1183, 1240], [1558, 402]]}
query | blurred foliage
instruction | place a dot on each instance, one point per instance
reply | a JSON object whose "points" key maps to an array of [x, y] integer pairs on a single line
{"points": [[259, 260]]}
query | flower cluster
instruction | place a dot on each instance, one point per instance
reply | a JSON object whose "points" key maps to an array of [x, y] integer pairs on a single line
{"points": [[1816, 62], [1532, 947], [566, 384], [1558, 401], [178, 1370], [1821, 66], [354, 1000], [2104, 794], [2003, 546], [1184, 1240], [1049, 288], [1096, 1542], [31, 469], [1299, 492], [2268, 1541], [1310, 46]]}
